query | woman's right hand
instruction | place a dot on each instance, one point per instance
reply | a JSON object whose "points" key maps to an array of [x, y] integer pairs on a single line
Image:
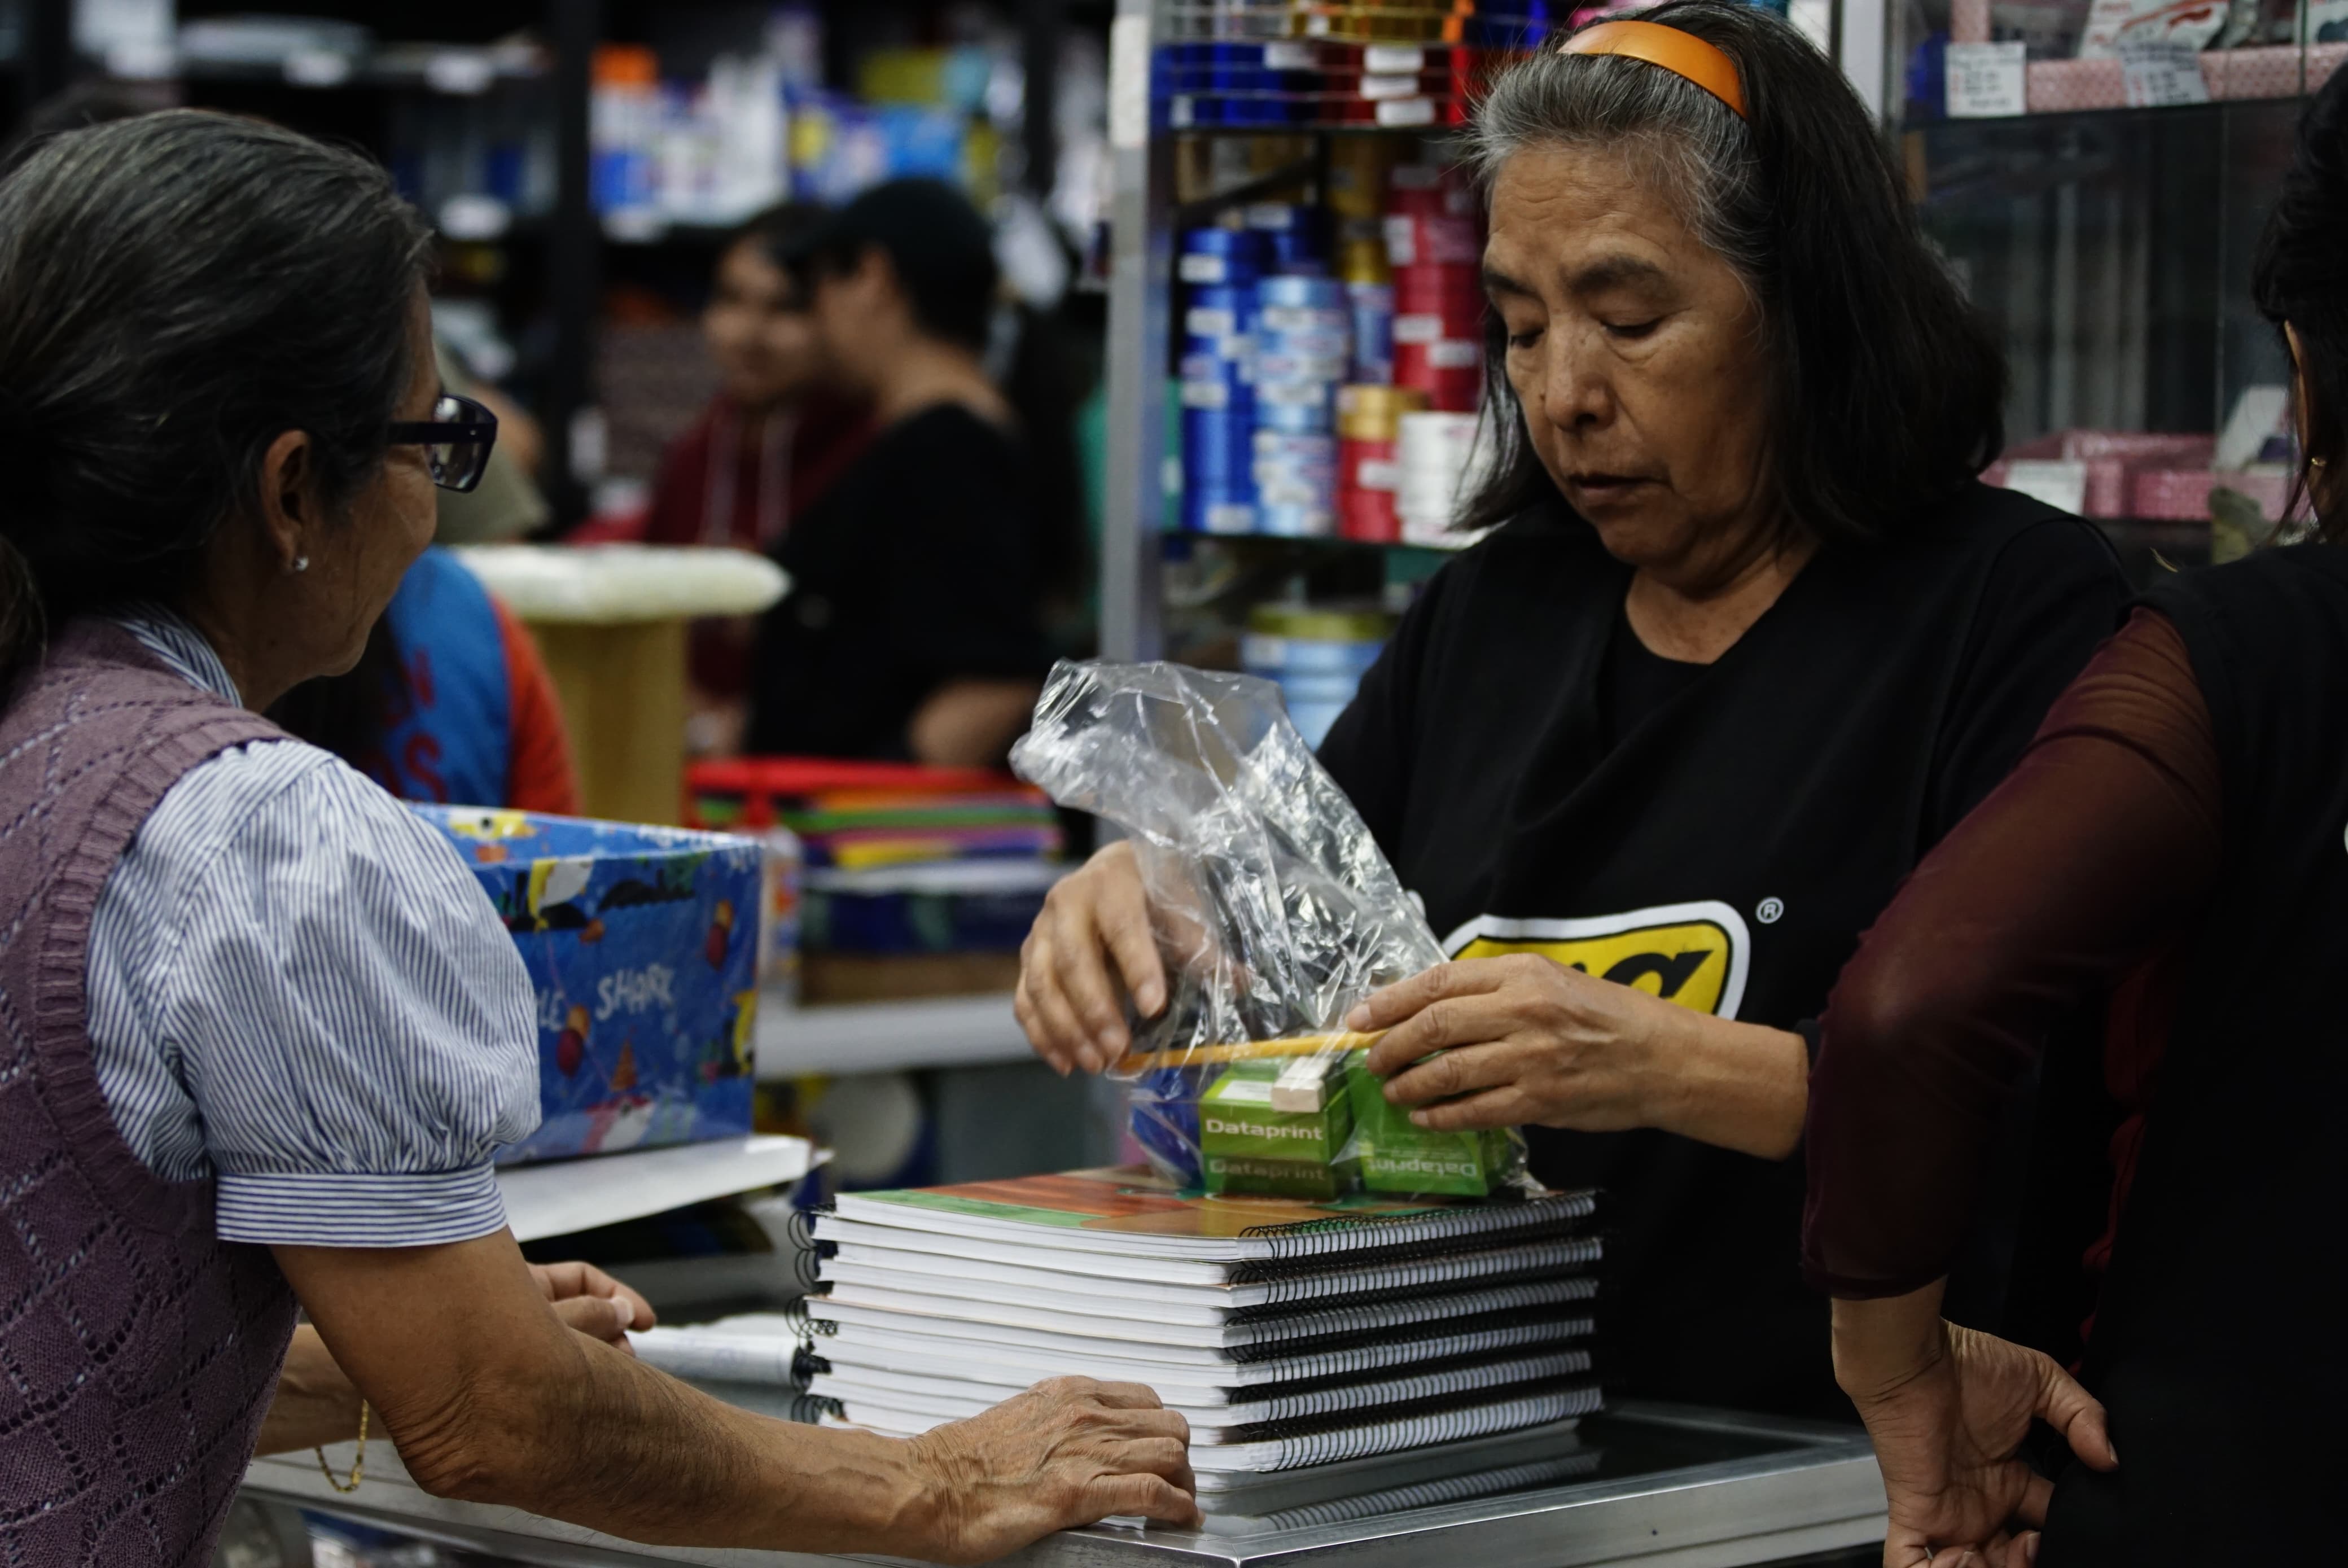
{"points": [[1066, 1452], [1068, 1000], [1948, 1408]]}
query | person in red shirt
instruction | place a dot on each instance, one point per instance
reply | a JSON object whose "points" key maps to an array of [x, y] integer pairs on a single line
{"points": [[769, 443]]}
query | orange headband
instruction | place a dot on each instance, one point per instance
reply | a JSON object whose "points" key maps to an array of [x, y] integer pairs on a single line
{"points": [[1681, 54]]}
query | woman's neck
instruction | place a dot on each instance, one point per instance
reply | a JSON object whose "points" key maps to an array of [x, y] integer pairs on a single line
{"points": [[1696, 622], [925, 373]]}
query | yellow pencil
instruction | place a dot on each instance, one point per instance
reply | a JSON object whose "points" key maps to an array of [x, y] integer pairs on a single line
{"points": [[1251, 1050]]}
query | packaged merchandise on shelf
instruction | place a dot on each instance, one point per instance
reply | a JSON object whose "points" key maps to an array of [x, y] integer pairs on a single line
{"points": [[1442, 461], [1316, 656], [892, 861], [1275, 909], [1369, 460], [641, 944], [1294, 381]]}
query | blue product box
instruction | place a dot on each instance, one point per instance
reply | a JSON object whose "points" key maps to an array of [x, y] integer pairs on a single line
{"points": [[641, 943]]}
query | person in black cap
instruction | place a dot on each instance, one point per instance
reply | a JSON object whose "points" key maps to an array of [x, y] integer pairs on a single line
{"points": [[913, 626]]}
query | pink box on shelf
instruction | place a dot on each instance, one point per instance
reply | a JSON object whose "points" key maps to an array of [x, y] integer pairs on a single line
{"points": [[2182, 495], [2112, 458], [2057, 86]]}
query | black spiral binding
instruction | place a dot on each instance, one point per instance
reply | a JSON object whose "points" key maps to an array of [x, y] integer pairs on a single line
{"points": [[1431, 1233], [1301, 1349], [1395, 1282], [1428, 1494], [1453, 1374], [1534, 1335], [1385, 1317], [1325, 1440], [811, 1408], [809, 1253], [805, 1324]]}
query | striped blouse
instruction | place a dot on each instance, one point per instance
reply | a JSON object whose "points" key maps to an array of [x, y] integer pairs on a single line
{"points": [[297, 987]]}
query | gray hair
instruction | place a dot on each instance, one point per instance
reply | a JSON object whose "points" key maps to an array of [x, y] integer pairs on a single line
{"points": [[1686, 143], [175, 291]]}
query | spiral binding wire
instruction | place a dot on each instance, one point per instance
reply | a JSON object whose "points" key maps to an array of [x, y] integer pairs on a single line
{"points": [[1429, 1493], [809, 1253], [805, 1324], [1385, 1317], [811, 1408], [1327, 1440], [1330, 1349], [1420, 1233], [1419, 1276]]}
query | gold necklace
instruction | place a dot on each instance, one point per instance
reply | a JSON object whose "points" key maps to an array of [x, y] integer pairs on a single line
{"points": [[358, 1460]]}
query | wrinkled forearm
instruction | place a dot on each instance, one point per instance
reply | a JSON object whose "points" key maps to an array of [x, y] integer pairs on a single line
{"points": [[1737, 1086], [610, 1443]]}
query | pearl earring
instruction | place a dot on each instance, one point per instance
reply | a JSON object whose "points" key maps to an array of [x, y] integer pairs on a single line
{"points": [[301, 564]]}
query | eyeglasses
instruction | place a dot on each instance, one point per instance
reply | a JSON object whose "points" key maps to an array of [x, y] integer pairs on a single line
{"points": [[456, 440]]}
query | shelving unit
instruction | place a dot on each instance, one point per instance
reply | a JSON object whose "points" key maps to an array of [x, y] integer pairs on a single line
{"points": [[546, 267], [885, 1037], [1147, 213]]}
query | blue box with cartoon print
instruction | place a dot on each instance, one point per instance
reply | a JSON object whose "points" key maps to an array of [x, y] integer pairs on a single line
{"points": [[641, 943]]}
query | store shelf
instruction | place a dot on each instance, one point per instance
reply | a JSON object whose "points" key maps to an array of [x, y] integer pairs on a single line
{"points": [[886, 1036], [563, 1196]]}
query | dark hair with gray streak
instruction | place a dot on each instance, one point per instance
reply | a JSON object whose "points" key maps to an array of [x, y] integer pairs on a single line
{"points": [[1886, 387], [176, 292]]}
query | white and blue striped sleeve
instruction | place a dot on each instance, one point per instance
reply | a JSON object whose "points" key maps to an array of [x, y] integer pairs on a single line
{"points": [[352, 1020]]}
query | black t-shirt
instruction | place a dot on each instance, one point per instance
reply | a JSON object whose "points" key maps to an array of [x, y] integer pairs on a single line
{"points": [[1639, 681], [915, 568], [2217, 1347], [1725, 849]]}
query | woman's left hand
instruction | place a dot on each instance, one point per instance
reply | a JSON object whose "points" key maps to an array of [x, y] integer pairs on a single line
{"points": [[1524, 1039], [593, 1303]]}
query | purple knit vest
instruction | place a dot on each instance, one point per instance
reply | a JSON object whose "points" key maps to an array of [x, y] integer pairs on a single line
{"points": [[138, 1354]]}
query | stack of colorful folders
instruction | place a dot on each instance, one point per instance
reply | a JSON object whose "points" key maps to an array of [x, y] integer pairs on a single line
{"points": [[1317, 1351]]}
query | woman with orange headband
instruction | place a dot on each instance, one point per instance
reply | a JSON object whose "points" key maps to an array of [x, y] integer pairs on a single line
{"points": [[1747, 638]]}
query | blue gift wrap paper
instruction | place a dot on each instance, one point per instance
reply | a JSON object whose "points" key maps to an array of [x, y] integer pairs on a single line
{"points": [[641, 944]]}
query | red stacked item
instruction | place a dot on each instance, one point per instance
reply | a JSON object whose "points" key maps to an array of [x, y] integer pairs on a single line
{"points": [[1436, 248]]}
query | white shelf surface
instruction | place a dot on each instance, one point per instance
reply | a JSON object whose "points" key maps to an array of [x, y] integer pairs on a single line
{"points": [[886, 1036], [561, 1196]]}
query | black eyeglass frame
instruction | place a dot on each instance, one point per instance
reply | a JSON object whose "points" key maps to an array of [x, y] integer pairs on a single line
{"points": [[469, 434]]}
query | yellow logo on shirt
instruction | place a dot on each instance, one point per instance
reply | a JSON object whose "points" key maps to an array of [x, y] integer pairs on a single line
{"points": [[1694, 955]]}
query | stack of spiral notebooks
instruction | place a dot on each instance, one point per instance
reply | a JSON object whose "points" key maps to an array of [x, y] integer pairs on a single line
{"points": [[1361, 1341]]}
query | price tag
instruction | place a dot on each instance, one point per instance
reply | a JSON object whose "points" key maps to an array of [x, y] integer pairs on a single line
{"points": [[1988, 81], [1399, 113], [1394, 57], [463, 72], [317, 68], [2159, 74], [1289, 58], [1375, 88]]}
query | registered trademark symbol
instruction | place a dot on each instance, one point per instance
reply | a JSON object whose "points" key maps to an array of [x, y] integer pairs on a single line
{"points": [[1770, 911]]}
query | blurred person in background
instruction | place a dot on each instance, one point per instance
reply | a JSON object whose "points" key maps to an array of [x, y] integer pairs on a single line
{"points": [[775, 435], [913, 627]]}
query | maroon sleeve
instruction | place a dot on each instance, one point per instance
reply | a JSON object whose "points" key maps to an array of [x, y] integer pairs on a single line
{"points": [[2102, 841]]}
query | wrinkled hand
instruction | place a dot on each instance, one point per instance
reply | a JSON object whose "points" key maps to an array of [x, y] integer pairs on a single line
{"points": [[1067, 1452], [1524, 1039], [1071, 1008], [1947, 1437], [593, 1303]]}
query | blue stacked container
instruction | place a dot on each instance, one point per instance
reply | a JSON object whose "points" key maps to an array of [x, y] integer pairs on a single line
{"points": [[1217, 368], [1303, 340]]}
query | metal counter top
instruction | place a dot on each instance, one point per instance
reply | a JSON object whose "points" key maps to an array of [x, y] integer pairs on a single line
{"points": [[1673, 1487]]}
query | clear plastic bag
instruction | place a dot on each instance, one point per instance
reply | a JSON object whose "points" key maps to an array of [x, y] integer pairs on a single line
{"points": [[1275, 912]]}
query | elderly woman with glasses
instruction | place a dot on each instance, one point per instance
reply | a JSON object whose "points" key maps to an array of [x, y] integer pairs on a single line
{"points": [[1748, 636], [260, 1030]]}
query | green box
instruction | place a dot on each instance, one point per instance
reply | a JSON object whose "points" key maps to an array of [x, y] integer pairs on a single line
{"points": [[1246, 1145], [1397, 1156]]}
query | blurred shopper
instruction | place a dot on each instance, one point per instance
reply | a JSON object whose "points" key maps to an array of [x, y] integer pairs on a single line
{"points": [[2174, 831], [450, 703], [773, 438], [913, 623], [265, 1029]]}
